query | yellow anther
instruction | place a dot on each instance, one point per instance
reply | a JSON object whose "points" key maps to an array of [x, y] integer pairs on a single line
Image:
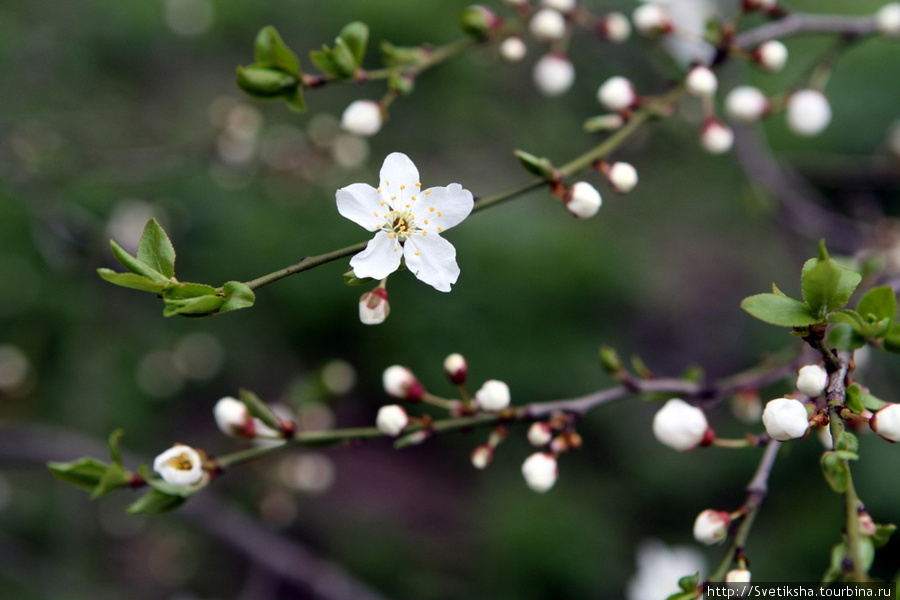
{"points": [[440, 214], [424, 232], [386, 182], [402, 187], [181, 462], [418, 252], [382, 203], [431, 209], [391, 235], [418, 185], [393, 197], [440, 229], [425, 221], [375, 213], [412, 197], [427, 192]]}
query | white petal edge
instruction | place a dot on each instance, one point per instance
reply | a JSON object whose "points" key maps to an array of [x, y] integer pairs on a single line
{"points": [[444, 207], [398, 169], [380, 258], [359, 202], [435, 263]]}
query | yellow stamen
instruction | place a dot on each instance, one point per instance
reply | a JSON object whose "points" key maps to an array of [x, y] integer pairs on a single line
{"points": [[182, 462]]}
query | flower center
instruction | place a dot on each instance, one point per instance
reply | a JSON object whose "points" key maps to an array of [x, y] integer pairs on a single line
{"points": [[181, 462], [401, 224]]}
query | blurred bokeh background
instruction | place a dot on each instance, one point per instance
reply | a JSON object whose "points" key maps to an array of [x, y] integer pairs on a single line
{"points": [[115, 112]]}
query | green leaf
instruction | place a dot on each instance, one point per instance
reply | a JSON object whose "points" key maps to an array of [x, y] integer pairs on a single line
{"points": [[689, 583], [400, 56], [323, 61], [237, 296], [350, 278], [850, 317], [343, 59], [842, 336], [892, 338], [132, 281], [185, 289], [113, 478], [155, 502], [356, 35], [260, 409], [883, 534], [295, 101], [539, 166], [827, 286], [835, 468], [115, 440], [878, 309], [864, 398], [271, 51], [779, 310], [136, 265], [201, 305], [85, 472], [853, 399], [156, 250], [266, 82]]}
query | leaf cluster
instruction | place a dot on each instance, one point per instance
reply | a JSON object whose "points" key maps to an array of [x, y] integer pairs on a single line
{"points": [[276, 72]]}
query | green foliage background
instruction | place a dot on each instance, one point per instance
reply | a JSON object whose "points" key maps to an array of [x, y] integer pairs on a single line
{"points": [[105, 107]]}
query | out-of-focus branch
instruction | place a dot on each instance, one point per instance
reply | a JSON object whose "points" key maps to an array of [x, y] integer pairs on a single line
{"points": [[799, 23]]}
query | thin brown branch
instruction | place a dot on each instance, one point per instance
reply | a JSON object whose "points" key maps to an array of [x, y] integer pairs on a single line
{"points": [[800, 23]]}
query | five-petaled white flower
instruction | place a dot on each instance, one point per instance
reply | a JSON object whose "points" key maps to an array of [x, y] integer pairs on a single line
{"points": [[408, 221]]}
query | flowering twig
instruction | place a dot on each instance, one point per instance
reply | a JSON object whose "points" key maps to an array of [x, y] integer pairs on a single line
{"points": [[802, 23]]}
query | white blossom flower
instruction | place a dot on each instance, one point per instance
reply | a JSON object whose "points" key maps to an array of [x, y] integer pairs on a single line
{"points": [[391, 419], [399, 382], [513, 49], [553, 74], [456, 368], [746, 104], [179, 465], [622, 177], [651, 19], [482, 456], [540, 433], [493, 395], [812, 380], [886, 422], [711, 526], [737, 576], [808, 112], [374, 307], [701, 81], [408, 221], [616, 27], [617, 93], [679, 425], [583, 200], [887, 19], [547, 25], [232, 417], [716, 137], [659, 569], [362, 117], [785, 418], [771, 55], [540, 471]]}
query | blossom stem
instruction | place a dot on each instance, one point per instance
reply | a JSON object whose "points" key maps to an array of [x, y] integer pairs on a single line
{"points": [[304, 265]]}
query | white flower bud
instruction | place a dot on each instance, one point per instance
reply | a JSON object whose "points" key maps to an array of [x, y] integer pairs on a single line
{"points": [[701, 81], [547, 25], [362, 117], [887, 19], [400, 382], [374, 306], [456, 368], [391, 419], [886, 422], [679, 425], [812, 380], [540, 471], [785, 418], [737, 576], [493, 395], [771, 55], [233, 418], [583, 200], [179, 465], [808, 112], [540, 433], [563, 6], [716, 137], [616, 27], [617, 94], [622, 177], [651, 19], [553, 74], [513, 49], [711, 526], [482, 456], [746, 104]]}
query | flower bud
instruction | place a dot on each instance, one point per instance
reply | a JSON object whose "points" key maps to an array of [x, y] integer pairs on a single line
{"points": [[887, 19], [886, 422], [737, 576], [617, 94], [651, 19], [616, 27], [701, 82], [553, 74], [583, 200], [540, 433], [547, 25], [456, 368], [716, 137], [746, 104], [391, 419], [563, 6], [540, 471], [233, 418], [482, 456], [613, 121], [622, 177], [711, 526], [513, 49], [493, 395], [808, 112], [812, 380], [679, 425], [785, 418], [374, 307], [363, 118], [477, 20], [400, 382], [771, 55], [179, 465]]}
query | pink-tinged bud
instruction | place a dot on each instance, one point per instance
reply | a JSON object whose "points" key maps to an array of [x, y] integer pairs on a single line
{"points": [[812, 380], [737, 576], [233, 418], [679, 425], [540, 471], [493, 395], [400, 382], [513, 49], [617, 94], [886, 422], [374, 307], [651, 19], [180, 465], [771, 55], [583, 200], [615, 27], [622, 177], [553, 74], [482, 456], [716, 137], [456, 368], [867, 525], [711, 526], [785, 419], [540, 433], [701, 82], [547, 25], [746, 104], [391, 420], [363, 118], [808, 112], [887, 19]]}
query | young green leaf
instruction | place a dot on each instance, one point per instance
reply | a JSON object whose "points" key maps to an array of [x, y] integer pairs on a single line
{"points": [[356, 35], [132, 281], [237, 295], [260, 409], [113, 478], [155, 249], [827, 286], [85, 472], [539, 166], [136, 265], [779, 310], [190, 290], [878, 308], [271, 51], [197, 306], [155, 502], [836, 470], [842, 336]]}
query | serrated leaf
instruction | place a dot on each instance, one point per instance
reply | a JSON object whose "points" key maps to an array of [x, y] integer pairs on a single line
{"points": [[356, 35], [878, 308], [202, 305], [842, 336], [155, 502], [779, 310], [155, 249], [132, 281], [237, 296], [850, 317], [271, 51], [85, 472], [137, 266], [827, 287], [259, 409]]}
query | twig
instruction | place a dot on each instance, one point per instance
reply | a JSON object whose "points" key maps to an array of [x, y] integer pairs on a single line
{"points": [[799, 23]]}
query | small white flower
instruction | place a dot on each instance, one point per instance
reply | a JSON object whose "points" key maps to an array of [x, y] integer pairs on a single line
{"points": [[812, 380], [553, 74], [408, 221], [659, 569], [617, 93], [737, 576], [771, 55], [179, 465], [456, 368], [808, 112], [622, 177], [785, 419], [716, 137], [679, 425], [513, 49], [886, 422], [711, 526], [362, 117], [701, 81], [232, 417], [493, 395], [651, 19], [391, 419], [482, 456], [746, 104], [540, 433], [399, 382], [584, 200], [547, 25], [563, 6], [887, 19], [540, 471], [616, 27], [374, 307]]}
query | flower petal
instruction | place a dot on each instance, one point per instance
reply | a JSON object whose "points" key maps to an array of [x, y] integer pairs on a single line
{"points": [[432, 259], [361, 203], [443, 207], [380, 258], [398, 169]]}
